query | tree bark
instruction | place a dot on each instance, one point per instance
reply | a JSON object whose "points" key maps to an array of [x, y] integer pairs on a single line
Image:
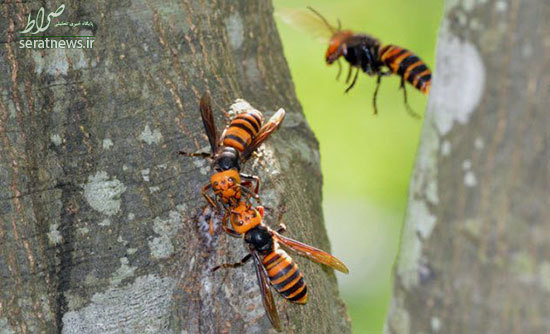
{"points": [[101, 222], [475, 254]]}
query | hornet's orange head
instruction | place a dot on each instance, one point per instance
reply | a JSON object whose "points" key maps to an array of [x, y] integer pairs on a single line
{"points": [[337, 46], [226, 184], [244, 217]]}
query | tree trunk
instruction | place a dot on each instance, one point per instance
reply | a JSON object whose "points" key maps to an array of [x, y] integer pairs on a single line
{"points": [[475, 250], [100, 219]]}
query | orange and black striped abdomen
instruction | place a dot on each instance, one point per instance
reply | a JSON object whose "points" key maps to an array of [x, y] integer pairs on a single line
{"points": [[285, 276], [242, 129], [408, 66]]}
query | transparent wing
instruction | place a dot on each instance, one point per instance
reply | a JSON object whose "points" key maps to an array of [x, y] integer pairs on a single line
{"points": [[208, 122], [267, 296], [307, 21], [311, 252], [264, 132]]}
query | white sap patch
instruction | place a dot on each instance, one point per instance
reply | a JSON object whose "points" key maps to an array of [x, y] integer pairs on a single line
{"points": [[103, 194], [204, 225], [235, 31], [140, 307], [458, 83], [54, 236], [161, 246], [56, 139], [107, 143], [239, 106], [150, 137], [466, 164]]}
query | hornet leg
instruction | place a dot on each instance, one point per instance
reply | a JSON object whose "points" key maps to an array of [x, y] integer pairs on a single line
{"points": [[353, 82], [244, 189], [212, 203], [339, 70], [208, 198], [281, 228], [252, 178], [230, 231], [233, 265], [409, 109], [211, 225], [378, 81], [203, 155], [227, 229], [349, 74]]}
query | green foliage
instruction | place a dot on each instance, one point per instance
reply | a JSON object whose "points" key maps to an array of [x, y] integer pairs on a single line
{"points": [[366, 160]]}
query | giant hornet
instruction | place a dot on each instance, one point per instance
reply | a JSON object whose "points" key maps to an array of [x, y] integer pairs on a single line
{"points": [[273, 265], [244, 134], [367, 54]]}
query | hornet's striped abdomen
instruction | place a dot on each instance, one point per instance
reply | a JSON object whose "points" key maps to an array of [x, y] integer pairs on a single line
{"points": [[242, 129], [285, 276], [408, 66]]}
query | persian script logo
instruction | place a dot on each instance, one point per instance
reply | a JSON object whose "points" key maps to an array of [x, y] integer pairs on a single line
{"points": [[42, 23], [39, 22]]}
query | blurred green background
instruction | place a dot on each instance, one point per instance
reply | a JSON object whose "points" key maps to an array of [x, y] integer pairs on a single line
{"points": [[366, 160]]}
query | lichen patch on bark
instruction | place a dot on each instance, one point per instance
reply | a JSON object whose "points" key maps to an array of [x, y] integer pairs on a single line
{"points": [[104, 193], [465, 74], [115, 310]]}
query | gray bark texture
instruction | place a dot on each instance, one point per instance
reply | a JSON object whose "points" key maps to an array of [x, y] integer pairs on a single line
{"points": [[101, 224], [475, 249]]}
